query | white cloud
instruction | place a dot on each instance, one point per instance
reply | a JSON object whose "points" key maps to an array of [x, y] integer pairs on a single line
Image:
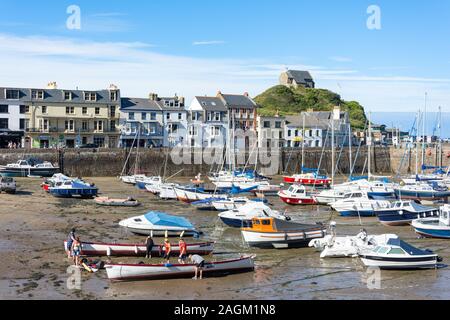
{"points": [[137, 69], [208, 43], [341, 59]]}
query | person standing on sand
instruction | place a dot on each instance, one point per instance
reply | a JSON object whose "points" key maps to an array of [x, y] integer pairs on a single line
{"points": [[70, 239], [183, 251], [199, 265], [167, 250], [149, 243], [76, 250]]}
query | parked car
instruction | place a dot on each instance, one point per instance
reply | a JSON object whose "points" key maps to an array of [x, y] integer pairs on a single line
{"points": [[7, 185]]}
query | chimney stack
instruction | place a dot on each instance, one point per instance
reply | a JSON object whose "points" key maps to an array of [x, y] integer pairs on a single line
{"points": [[52, 85], [153, 96], [246, 94]]}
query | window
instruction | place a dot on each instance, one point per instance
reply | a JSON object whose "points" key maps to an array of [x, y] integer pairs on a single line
{"points": [[44, 125], [70, 110], [131, 116], [85, 110], [289, 133], [152, 129], [113, 95], [193, 131], [266, 124], [85, 126], [209, 116], [37, 94], [144, 116], [4, 124], [12, 94], [69, 125], [98, 125], [112, 111], [217, 116], [22, 124], [44, 109], [180, 116], [278, 125], [90, 96], [215, 131], [173, 128], [194, 116], [296, 133], [4, 108], [24, 109], [100, 141], [153, 116], [266, 222], [97, 111], [112, 126], [67, 95], [168, 116]]}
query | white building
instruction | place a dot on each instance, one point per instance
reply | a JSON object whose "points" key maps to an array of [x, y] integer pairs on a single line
{"points": [[271, 131], [12, 117]]}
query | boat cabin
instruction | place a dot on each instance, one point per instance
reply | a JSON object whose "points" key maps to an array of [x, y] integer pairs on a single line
{"points": [[444, 215], [262, 225], [297, 190], [355, 195]]}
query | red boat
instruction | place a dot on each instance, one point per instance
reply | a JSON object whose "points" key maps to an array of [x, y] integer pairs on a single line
{"points": [[297, 195], [308, 179]]}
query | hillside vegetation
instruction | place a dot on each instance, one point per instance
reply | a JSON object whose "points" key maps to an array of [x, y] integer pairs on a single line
{"points": [[290, 101]]}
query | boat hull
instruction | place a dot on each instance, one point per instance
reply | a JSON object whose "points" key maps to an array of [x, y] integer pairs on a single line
{"points": [[281, 240], [361, 213], [237, 223], [424, 262], [296, 201], [402, 218], [155, 272], [70, 193], [431, 228], [131, 250], [308, 182], [21, 173], [422, 195]]}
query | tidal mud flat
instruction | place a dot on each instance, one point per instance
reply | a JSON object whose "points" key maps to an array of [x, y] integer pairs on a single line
{"points": [[33, 226]]}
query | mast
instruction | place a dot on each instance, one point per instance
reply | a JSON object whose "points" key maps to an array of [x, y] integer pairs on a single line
{"points": [[350, 155], [419, 118], [369, 149], [424, 132], [332, 151], [440, 137], [303, 144]]}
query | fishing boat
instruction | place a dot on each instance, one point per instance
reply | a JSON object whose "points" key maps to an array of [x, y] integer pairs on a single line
{"points": [[133, 272], [51, 182], [105, 201], [73, 188], [423, 191], [359, 204], [402, 213], [332, 246], [159, 224], [297, 195], [281, 234], [308, 179], [438, 227], [192, 194], [167, 191], [29, 168], [243, 216], [397, 254], [97, 249]]}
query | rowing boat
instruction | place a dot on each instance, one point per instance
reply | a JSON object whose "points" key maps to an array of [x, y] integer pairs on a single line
{"points": [[105, 201], [134, 272], [96, 249]]}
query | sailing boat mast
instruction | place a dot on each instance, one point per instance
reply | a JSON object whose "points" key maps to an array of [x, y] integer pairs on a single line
{"points": [[303, 143], [440, 138], [419, 118], [424, 132], [332, 151], [350, 155], [369, 145]]}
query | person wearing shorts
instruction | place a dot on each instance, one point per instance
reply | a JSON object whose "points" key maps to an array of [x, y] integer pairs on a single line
{"points": [[183, 251], [167, 251], [70, 239], [199, 265]]}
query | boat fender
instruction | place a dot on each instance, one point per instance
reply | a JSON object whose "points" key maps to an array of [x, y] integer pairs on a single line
{"points": [[168, 265], [401, 212], [108, 251], [136, 250]]}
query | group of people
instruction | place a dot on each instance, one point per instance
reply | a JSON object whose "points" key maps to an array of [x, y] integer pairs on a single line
{"points": [[13, 145], [74, 247]]}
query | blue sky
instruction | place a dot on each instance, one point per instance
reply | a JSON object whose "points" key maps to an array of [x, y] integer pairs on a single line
{"points": [[198, 47]]}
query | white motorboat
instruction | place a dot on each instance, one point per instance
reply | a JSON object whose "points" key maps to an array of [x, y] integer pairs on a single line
{"points": [[358, 204], [230, 203], [242, 217], [189, 195], [329, 196], [397, 254], [167, 191], [28, 168], [332, 246], [159, 224], [133, 179]]}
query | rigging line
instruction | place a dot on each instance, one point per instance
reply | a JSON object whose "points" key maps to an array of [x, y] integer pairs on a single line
{"points": [[353, 165]]}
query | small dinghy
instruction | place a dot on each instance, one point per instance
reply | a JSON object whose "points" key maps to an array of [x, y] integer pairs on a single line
{"points": [[134, 272], [281, 234], [159, 224], [438, 227], [96, 249], [105, 201], [397, 254], [402, 213], [297, 195], [332, 246], [243, 216]]}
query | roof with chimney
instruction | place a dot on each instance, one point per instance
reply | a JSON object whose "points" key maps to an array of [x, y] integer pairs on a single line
{"points": [[238, 101], [139, 104]]}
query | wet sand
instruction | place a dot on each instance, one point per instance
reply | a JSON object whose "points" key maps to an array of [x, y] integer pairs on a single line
{"points": [[33, 226]]}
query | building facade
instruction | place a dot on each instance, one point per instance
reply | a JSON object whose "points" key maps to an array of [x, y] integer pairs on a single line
{"points": [[12, 117], [271, 131]]}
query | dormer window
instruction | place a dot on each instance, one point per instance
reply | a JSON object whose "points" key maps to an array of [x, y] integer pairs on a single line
{"points": [[67, 95], [90, 96], [12, 94], [113, 95], [37, 94]]}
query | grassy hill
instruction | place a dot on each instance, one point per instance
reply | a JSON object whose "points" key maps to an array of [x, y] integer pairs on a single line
{"points": [[291, 101]]}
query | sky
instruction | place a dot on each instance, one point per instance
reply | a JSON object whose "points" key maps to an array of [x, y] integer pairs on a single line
{"points": [[198, 47]]}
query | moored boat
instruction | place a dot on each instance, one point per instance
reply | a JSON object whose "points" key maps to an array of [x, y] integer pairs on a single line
{"points": [[423, 191], [308, 179], [281, 234], [243, 216], [358, 204], [438, 227], [73, 188], [29, 168], [188, 195], [97, 249], [401, 213], [297, 195], [159, 224], [105, 201], [133, 272]]}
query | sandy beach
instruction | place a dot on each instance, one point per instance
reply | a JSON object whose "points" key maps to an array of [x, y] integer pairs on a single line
{"points": [[33, 226]]}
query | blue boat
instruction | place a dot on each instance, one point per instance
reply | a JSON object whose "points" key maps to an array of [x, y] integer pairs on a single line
{"points": [[402, 213], [74, 188], [423, 191], [438, 227]]}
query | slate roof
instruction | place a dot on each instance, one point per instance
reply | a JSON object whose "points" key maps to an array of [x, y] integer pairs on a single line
{"points": [[57, 96], [138, 104], [212, 104], [238, 101], [300, 76]]}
